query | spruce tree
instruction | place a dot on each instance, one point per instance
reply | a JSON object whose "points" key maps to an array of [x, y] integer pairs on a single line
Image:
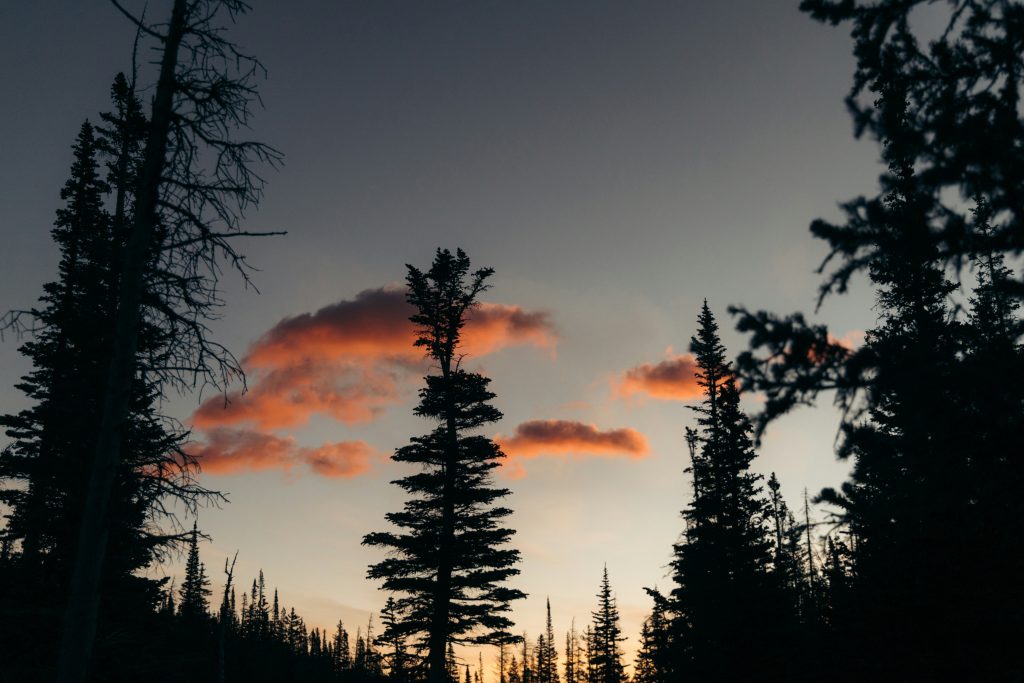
{"points": [[195, 589], [449, 558], [722, 595], [46, 466], [605, 655], [930, 497], [394, 656]]}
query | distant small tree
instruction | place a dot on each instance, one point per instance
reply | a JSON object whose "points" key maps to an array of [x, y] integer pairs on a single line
{"points": [[195, 589], [547, 654], [605, 636]]}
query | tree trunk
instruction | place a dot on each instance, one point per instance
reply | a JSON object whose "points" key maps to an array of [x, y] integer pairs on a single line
{"points": [[437, 662], [80, 618]]}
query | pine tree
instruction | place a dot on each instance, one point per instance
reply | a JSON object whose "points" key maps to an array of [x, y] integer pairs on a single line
{"points": [[513, 671], [392, 639], [451, 664], [605, 654], [342, 649], [722, 598], [547, 654], [47, 463], [169, 265], [928, 594], [451, 558], [195, 589]]}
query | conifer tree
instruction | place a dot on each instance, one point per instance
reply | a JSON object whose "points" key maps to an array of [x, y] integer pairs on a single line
{"points": [[451, 664], [195, 589], [722, 598], [450, 559], [923, 566], [605, 636], [570, 655], [45, 469], [394, 656], [547, 654], [342, 649], [513, 671], [176, 241]]}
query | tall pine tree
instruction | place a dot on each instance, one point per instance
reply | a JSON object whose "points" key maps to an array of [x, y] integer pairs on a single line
{"points": [[450, 559], [721, 598]]}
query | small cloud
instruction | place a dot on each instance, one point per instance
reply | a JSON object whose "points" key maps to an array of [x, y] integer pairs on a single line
{"points": [[673, 379], [230, 451], [343, 459], [491, 327], [562, 438]]}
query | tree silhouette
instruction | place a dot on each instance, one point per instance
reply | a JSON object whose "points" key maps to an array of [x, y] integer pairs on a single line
{"points": [[930, 497], [47, 464], [721, 597], [962, 88], [605, 656], [195, 589], [182, 217], [451, 558], [547, 654]]}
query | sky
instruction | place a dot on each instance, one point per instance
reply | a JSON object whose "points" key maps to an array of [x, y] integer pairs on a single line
{"points": [[615, 163]]}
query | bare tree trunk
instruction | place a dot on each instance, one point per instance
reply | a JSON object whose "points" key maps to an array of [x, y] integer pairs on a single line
{"points": [[225, 615], [80, 618]]}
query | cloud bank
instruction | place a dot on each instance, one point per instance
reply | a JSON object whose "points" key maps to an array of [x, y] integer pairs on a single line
{"points": [[348, 361]]}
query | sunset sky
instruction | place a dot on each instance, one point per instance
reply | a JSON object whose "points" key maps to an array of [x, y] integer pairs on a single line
{"points": [[616, 163]]}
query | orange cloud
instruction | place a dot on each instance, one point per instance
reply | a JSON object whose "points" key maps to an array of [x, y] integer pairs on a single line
{"points": [[374, 325], [351, 359], [288, 396], [491, 327], [341, 459], [673, 379], [567, 437], [347, 361], [229, 451]]}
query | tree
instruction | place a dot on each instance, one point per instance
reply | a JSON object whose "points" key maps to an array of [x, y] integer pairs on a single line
{"points": [[195, 589], [605, 655], [183, 216], [962, 89], [342, 649], [923, 502], [394, 656], [547, 654], [48, 461], [721, 597], [450, 558], [654, 657]]}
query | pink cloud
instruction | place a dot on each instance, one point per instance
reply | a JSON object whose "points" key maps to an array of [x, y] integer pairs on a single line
{"points": [[561, 438], [230, 451], [352, 359], [673, 379], [348, 361]]}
